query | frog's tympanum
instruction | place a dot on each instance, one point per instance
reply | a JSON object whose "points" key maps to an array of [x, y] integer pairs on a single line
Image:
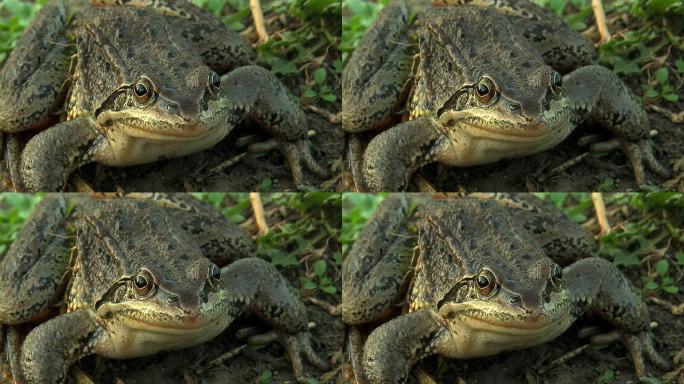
{"points": [[480, 276], [134, 276], [134, 82], [477, 83]]}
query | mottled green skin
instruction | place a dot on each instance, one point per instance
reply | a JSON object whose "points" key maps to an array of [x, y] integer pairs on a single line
{"points": [[427, 68], [106, 244], [172, 44], [517, 238]]}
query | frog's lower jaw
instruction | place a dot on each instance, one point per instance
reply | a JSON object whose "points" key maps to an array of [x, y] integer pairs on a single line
{"points": [[471, 145], [130, 334], [120, 149], [484, 329]]}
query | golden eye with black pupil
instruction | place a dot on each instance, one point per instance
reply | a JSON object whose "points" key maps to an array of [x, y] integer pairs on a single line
{"points": [[215, 81], [485, 90], [556, 82], [486, 282], [556, 274], [143, 282], [143, 91]]}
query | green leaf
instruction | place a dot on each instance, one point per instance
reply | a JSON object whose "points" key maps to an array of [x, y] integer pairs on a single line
{"points": [[651, 285], [652, 93], [329, 97], [661, 75], [608, 376], [266, 376], [309, 93], [679, 64], [319, 267], [309, 285], [329, 289], [679, 256], [266, 184], [671, 289], [608, 184], [671, 97], [661, 267], [319, 76]]}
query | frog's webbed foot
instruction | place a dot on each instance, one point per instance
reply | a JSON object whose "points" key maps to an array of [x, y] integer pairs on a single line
{"points": [[640, 345], [298, 155], [641, 156], [299, 346]]}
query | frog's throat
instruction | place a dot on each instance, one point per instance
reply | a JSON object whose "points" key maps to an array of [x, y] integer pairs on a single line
{"points": [[484, 328]]}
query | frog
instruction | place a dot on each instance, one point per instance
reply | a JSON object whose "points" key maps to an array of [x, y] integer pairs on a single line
{"points": [[123, 83], [471, 276], [471, 82], [123, 277]]}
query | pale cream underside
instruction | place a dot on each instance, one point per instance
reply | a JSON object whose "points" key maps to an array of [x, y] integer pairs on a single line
{"points": [[470, 145], [127, 337], [471, 337], [124, 149]]}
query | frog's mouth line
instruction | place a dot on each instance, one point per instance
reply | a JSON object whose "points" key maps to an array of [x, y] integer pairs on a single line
{"points": [[164, 320], [513, 323], [164, 129], [477, 126]]}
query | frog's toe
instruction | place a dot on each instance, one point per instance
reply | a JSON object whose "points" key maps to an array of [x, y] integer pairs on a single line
{"points": [[641, 345], [640, 154], [299, 157], [298, 346]]}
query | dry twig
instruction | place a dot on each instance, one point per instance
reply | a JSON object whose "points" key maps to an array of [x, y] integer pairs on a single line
{"points": [[600, 208], [258, 16], [258, 209], [600, 16]]}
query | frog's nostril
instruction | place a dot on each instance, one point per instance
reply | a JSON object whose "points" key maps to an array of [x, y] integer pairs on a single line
{"points": [[172, 300], [515, 107], [515, 300]]}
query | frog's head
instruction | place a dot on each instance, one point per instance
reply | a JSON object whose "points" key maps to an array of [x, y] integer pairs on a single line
{"points": [[138, 271], [144, 79], [505, 285], [483, 81]]}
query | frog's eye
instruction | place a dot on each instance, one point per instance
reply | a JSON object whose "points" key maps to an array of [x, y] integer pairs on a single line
{"points": [[556, 274], [143, 282], [215, 81], [215, 273], [143, 91], [556, 82], [485, 90], [486, 282]]}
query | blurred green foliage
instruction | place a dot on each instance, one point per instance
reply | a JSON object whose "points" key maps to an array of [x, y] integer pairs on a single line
{"points": [[648, 46], [305, 38], [647, 236]]}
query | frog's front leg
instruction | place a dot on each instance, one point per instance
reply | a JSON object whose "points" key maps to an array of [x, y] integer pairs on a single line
{"points": [[52, 155], [378, 263], [52, 347], [395, 154], [255, 92], [375, 79], [597, 285], [394, 347], [33, 79], [595, 91], [255, 285]]}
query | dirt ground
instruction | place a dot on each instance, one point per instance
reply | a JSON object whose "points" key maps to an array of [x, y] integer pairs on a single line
{"points": [[532, 173]]}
